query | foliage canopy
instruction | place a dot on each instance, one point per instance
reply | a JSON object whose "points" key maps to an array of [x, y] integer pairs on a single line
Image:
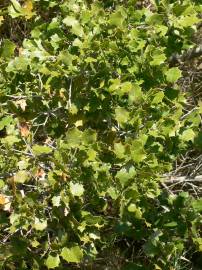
{"points": [[91, 117]]}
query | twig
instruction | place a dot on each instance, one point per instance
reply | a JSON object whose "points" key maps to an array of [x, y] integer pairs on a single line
{"points": [[187, 55]]}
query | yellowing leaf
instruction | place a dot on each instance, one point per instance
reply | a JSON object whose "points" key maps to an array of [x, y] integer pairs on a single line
{"points": [[24, 129], [27, 9], [22, 103], [79, 123], [1, 19], [91, 154], [2, 199], [132, 207], [136, 210], [16, 10], [5, 202]]}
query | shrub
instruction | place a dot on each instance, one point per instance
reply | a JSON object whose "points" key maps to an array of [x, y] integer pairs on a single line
{"points": [[91, 118]]}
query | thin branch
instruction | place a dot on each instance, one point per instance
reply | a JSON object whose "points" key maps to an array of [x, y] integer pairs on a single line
{"points": [[187, 55]]}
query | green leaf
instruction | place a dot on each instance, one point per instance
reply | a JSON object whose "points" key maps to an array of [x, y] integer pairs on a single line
{"points": [[158, 59], [73, 254], [77, 29], [135, 95], [52, 261], [41, 149], [158, 98], [5, 121], [40, 225], [198, 242], [10, 140], [76, 189], [124, 175], [70, 21], [137, 151], [136, 210], [154, 19], [171, 224], [126, 87], [188, 135], [112, 193], [74, 137], [21, 177], [119, 150], [117, 18], [7, 49], [14, 10], [18, 64], [132, 207], [187, 21], [197, 205], [121, 115], [173, 74]]}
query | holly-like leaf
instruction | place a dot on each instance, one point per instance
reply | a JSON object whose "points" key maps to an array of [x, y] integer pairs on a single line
{"points": [[138, 153], [117, 18], [52, 261], [56, 200], [188, 135], [173, 74], [77, 29], [41, 149], [122, 115], [158, 59], [5, 121], [76, 189], [119, 150], [21, 176], [40, 225], [187, 21], [7, 49], [158, 98], [73, 254], [197, 205]]}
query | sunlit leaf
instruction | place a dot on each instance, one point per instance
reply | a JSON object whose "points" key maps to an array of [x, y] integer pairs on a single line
{"points": [[40, 225], [52, 261], [73, 254], [41, 149], [21, 176], [173, 74], [76, 189]]}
